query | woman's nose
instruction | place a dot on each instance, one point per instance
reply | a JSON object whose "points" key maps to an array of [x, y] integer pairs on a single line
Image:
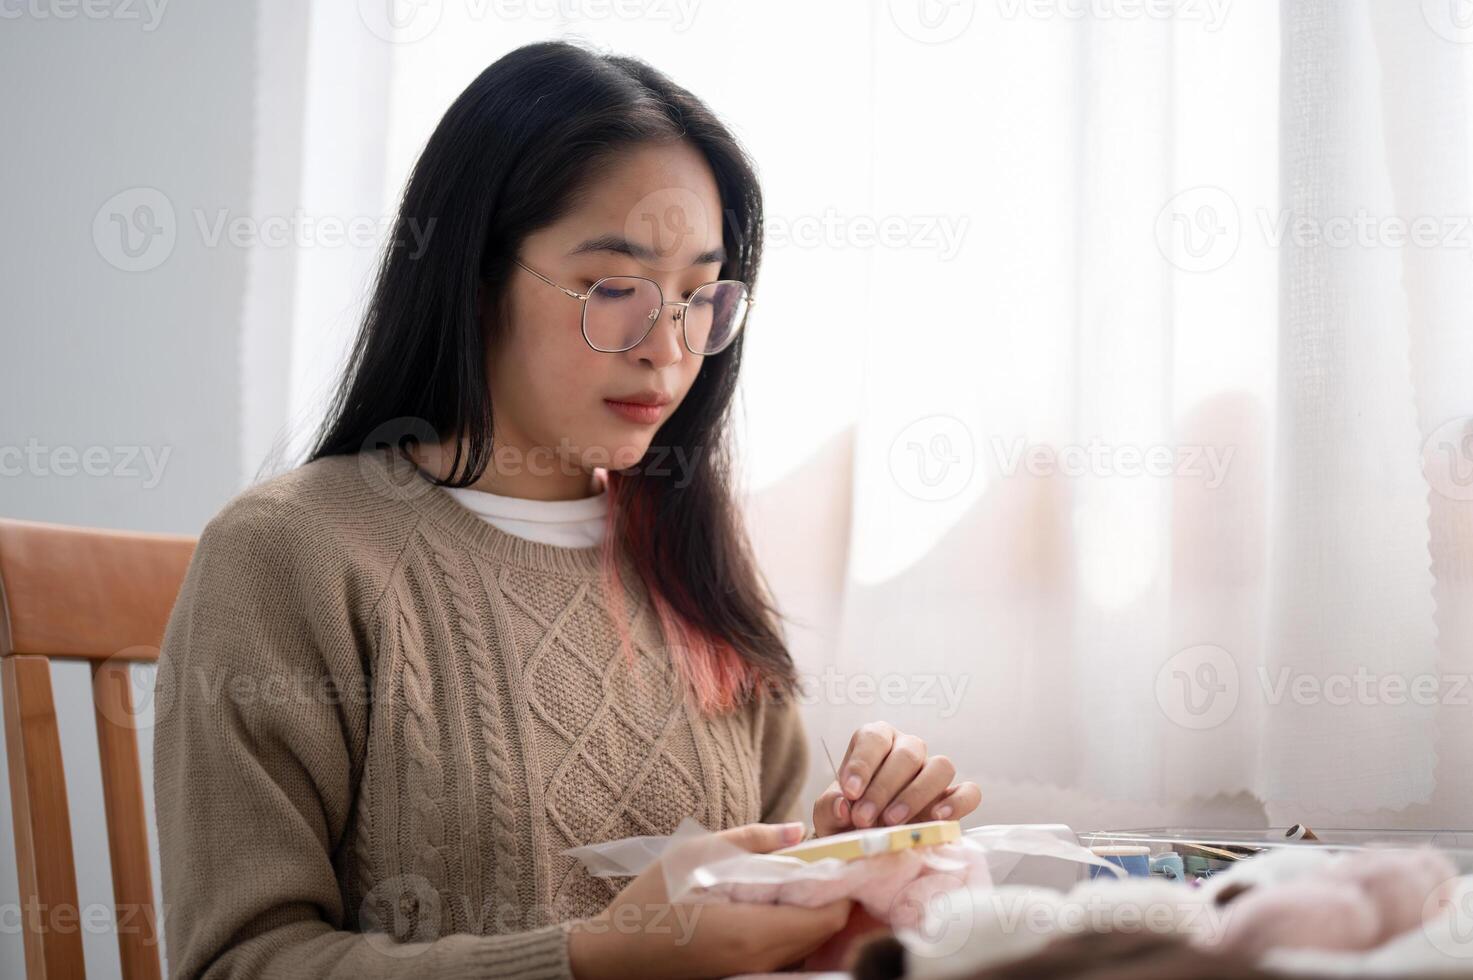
{"points": [[662, 346]]}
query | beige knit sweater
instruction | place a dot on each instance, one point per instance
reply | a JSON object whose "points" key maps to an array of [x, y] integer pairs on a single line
{"points": [[380, 719]]}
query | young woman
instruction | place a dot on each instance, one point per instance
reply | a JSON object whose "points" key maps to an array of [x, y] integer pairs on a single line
{"points": [[506, 607]]}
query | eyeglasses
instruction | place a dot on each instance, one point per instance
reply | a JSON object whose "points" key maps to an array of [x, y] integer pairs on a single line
{"points": [[620, 311]]}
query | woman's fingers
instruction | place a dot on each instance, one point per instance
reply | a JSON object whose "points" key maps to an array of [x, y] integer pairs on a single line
{"points": [[955, 803], [928, 786], [903, 763], [887, 779], [868, 748], [760, 838], [781, 934], [830, 811], [812, 929]]}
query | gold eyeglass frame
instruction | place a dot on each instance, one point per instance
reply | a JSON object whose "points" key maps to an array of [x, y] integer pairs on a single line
{"points": [[678, 315]]}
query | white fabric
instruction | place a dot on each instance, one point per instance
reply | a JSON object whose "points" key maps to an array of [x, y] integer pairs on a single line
{"points": [[998, 229], [565, 523], [1138, 636]]}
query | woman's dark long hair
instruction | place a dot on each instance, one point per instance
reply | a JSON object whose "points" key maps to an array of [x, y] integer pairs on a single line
{"points": [[511, 156]]}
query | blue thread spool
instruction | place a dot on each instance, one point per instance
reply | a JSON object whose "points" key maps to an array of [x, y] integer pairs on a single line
{"points": [[1169, 866], [1134, 859], [1205, 867]]}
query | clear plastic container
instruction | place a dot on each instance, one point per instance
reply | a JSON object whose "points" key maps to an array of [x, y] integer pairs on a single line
{"points": [[1207, 851]]}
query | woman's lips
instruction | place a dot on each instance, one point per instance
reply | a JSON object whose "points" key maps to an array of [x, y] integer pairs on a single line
{"points": [[642, 414]]}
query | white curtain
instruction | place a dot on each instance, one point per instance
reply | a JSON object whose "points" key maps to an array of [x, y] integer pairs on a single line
{"points": [[1098, 423]]}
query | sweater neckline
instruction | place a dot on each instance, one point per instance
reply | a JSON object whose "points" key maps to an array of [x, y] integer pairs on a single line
{"points": [[487, 504], [431, 501]]}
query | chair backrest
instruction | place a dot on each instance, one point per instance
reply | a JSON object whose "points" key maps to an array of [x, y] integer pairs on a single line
{"points": [[102, 597]]}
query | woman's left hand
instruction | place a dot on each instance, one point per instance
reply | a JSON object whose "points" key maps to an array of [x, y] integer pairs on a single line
{"points": [[887, 779]]}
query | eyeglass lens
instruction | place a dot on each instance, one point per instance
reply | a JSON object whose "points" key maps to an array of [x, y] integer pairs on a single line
{"points": [[620, 310]]}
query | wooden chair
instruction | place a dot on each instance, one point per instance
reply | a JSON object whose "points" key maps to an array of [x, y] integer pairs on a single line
{"points": [[102, 597]]}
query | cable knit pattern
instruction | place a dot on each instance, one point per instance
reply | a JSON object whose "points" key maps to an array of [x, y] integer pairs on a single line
{"points": [[426, 779], [502, 831], [363, 849], [421, 832]]}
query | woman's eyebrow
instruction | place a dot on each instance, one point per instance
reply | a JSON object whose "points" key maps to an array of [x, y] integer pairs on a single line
{"points": [[623, 246]]}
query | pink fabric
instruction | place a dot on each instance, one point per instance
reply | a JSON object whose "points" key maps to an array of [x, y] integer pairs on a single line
{"points": [[893, 888], [1355, 902]]}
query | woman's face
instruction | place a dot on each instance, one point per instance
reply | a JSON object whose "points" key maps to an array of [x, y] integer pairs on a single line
{"points": [[654, 212]]}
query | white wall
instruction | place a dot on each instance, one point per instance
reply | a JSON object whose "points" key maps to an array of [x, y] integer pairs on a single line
{"points": [[145, 102]]}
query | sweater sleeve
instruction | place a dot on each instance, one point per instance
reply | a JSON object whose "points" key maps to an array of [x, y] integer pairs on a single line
{"points": [[258, 746], [784, 760]]}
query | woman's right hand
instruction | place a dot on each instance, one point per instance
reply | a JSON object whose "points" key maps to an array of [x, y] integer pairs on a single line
{"points": [[641, 934]]}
